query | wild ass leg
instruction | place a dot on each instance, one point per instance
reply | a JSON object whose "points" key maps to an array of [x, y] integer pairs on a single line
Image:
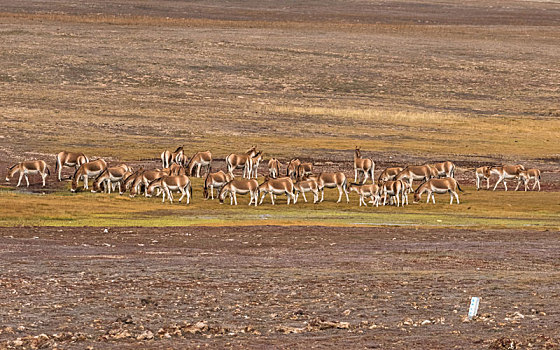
{"points": [[499, 180]]}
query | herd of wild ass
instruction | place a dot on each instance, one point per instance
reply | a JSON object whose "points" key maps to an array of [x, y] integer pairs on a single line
{"points": [[393, 185]]}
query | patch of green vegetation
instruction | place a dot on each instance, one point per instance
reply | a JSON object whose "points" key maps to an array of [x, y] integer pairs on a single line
{"points": [[478, 209]]}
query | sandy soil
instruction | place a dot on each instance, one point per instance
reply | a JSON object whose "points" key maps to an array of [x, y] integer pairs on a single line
{"points": [[285, 286]]}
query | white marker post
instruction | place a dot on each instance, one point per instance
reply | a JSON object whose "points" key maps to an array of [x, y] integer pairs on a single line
{"points": [[473, 309]]}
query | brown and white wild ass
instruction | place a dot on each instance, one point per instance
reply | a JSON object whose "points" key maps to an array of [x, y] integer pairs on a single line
{"points": [[168, 157], [278, 186], [364, 191], [307, 185], [69, 159], [87, 170], [416, 172], [304, 170], [482, 173], [240, 186], [110, 177], [215, 180], [238, 161], [199, 160], [393, 189], [389, 174], [439, 186], [144, 178], [333, 180], [363, 165], [506, 172], [529, 174], [274, 168], [27, 168], [291, 168], [445, 169], [253, 164], [180, 183]]}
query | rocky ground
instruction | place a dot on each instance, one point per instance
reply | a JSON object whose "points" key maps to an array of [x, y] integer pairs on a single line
{"points": [[247, 287]]}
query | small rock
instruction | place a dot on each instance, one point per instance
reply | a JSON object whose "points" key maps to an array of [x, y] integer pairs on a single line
{"points": [[408, 321], [425, 322], [146, 335]]}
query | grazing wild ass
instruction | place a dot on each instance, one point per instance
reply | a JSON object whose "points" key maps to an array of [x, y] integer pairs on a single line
{"points": [[217, 180], [307, 185], [240, 186], [445, 169], [198, 161], [110, 177], [87, 170], [364, 191], [279, 186], [529, 174], [393, 188], [416, 172], [389, 174], [180, 183], [69, 159], [439, 186], [27, 168], [144, 178]]}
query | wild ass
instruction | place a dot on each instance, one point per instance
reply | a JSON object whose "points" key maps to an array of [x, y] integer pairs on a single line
{"points": [[439, 186], [506, 172], [110, 176], [253, 163], [198, 161], [29, 167], [393, 188], [364, 191], [238, 161], [446, 168], [389, 174], [282, 185], [307, 185], [363, 165], [482, 173], [217, 180], [240, 186], [144, 178], [291, 168], [69, 159], [87, 170], [180, 183], [416, 172], [176, 169], [274, 168], [333, 180], [529, 174], [168, 158], [304, 170]]}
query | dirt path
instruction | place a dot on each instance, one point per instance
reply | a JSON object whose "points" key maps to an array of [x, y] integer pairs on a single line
{"points": [[291, 287]]}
